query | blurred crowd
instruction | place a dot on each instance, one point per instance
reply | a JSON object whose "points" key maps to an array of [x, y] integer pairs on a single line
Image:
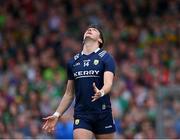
{"points": [[38, 37]]}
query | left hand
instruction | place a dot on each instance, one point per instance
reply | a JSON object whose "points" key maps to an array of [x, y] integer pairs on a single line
{"points": [[97, 94]]}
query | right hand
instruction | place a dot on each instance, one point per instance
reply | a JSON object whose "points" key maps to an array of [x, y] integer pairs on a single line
{"points": [[50, 123], [97, 94]]}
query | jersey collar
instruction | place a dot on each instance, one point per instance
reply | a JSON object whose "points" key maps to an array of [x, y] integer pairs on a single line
{"points": [[94, 51]]}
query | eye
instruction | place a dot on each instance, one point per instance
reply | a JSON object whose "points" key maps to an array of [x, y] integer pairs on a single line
{"points": [[95, 30]]}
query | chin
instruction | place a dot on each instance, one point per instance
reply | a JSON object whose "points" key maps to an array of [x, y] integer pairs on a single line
{"points": [[87, 37]]}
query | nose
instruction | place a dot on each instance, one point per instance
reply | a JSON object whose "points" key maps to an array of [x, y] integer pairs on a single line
{"points": [[90, 29]]}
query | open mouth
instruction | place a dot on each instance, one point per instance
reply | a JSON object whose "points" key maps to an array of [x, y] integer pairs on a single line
{"points": [[89, 33]]}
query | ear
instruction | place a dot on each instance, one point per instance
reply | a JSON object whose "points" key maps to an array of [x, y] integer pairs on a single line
{"points": [[100, 40]]}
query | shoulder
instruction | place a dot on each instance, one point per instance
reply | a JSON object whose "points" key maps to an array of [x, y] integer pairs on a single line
{"points": [[73, 59], [76, 56], [104, 55]]}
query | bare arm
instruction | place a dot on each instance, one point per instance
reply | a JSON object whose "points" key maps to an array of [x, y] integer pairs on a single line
{"points": [[67, 98], [66, 101], [108, 81]]}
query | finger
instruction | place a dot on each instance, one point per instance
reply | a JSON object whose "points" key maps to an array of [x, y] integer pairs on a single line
{"points": [[46, 118], [93, 100], [94, 86], [44, 126], [95, 97], [49, 130], [97, 94], [48, 126]]}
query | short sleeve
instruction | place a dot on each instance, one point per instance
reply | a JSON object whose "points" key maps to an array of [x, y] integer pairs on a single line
{"points": [[69, 71], [109, 64]]}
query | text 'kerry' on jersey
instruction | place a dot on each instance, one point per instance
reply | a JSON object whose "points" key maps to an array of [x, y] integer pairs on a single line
{"points": [[84, 70]]}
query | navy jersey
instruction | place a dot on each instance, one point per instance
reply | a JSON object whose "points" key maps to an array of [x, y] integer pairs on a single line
{"points": [[84, 70]]}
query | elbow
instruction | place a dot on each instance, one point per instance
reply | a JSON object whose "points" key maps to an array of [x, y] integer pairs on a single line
{"points": [[108, 86], [72, 97]]}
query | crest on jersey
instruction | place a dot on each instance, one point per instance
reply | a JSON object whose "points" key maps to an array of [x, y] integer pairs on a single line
{"points": [[77, 121], [86, 63], [96, 62]]}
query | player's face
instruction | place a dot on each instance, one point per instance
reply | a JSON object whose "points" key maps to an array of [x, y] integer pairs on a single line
{"points": [[93, 33]]}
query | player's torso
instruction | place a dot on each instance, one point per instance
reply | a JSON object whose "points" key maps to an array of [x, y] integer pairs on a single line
{"points": [[87, 69], [88, 66]]}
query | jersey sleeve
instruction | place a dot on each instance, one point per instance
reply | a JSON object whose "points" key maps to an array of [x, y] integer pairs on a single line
{"points": [[109, 64], [69, 71]]}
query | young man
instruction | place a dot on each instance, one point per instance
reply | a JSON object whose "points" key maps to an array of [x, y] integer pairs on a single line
{"points": [[90, 74]]}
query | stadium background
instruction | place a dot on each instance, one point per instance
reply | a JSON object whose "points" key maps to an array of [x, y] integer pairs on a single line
{"points": [[38, 37]]}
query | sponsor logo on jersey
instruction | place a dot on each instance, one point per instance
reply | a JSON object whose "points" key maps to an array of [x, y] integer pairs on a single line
{"points": [[77, 64], [96, 62], [109, 126], [86, 73]]}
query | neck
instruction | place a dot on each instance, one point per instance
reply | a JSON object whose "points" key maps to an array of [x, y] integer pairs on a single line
{"points": [[90, 46]]}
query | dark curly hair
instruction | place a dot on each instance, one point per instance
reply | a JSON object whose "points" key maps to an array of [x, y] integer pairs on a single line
{"points": [[99, 28]]}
